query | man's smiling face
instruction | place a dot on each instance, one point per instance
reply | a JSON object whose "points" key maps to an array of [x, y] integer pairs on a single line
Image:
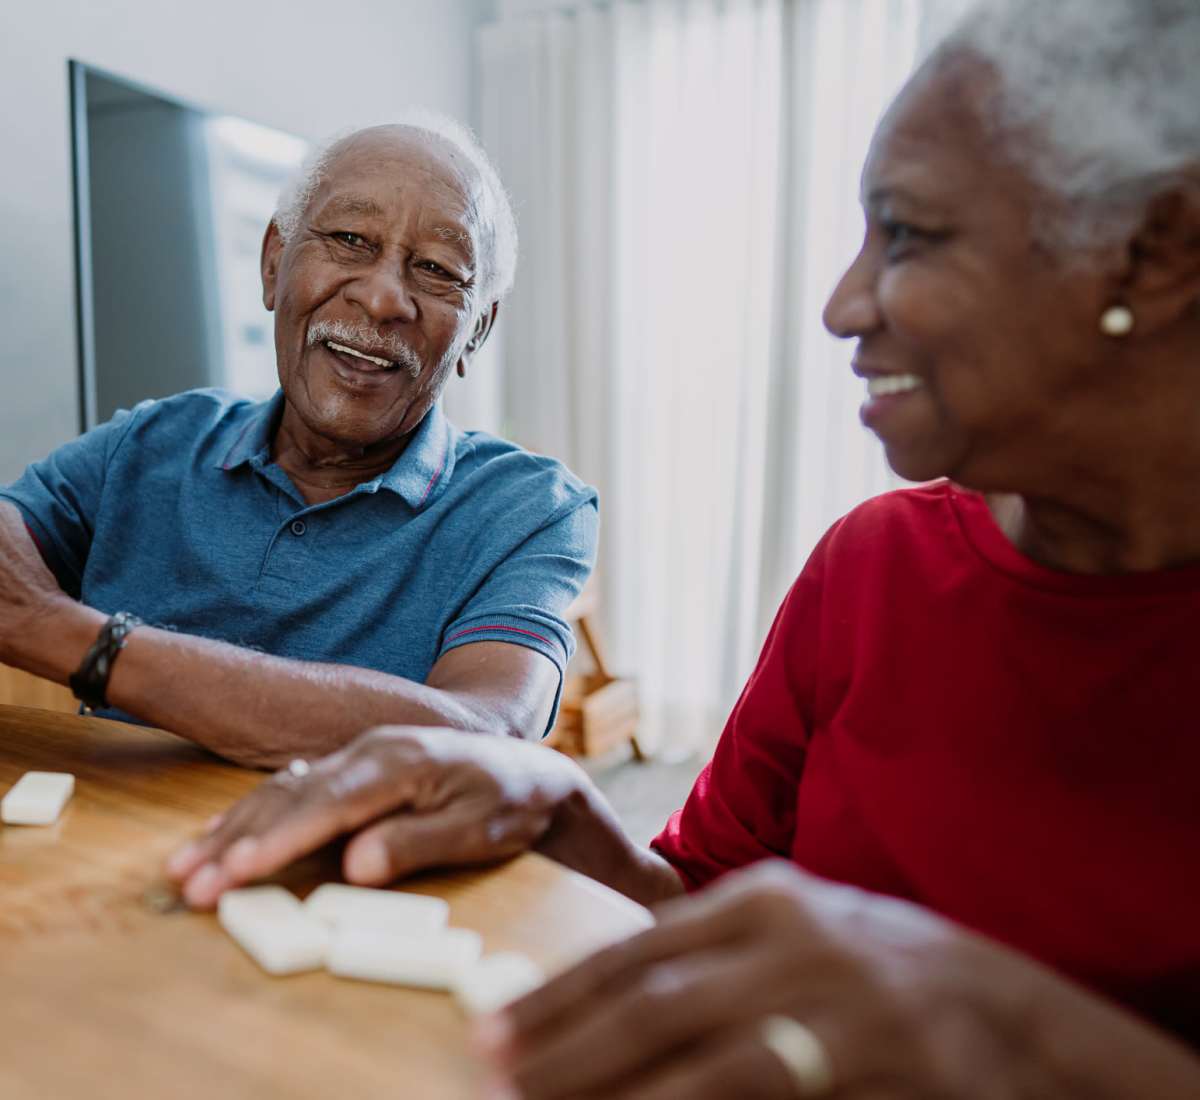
{"points": [[376, 292]]}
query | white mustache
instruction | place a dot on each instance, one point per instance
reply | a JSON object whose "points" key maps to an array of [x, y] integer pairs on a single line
{"points": [[363, 336]]}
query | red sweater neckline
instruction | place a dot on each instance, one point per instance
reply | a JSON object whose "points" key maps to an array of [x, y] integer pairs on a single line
{"points": [[989, 542]]}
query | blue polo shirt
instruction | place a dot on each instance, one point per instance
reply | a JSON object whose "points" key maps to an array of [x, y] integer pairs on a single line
{"points": [[176, 512]]}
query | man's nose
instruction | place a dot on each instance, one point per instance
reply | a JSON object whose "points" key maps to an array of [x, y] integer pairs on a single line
{"points": [[384, 293], [852, 309]]}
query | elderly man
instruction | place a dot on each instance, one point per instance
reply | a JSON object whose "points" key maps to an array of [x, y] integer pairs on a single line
{"points": [[271, 579]]}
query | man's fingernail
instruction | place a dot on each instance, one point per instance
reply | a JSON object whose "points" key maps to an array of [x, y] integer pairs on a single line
{"points": [[241, 852], [179, 860], [211, 824], [367, 863]]}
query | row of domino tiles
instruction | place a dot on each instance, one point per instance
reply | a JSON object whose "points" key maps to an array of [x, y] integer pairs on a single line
{"points": [[374, 935]]}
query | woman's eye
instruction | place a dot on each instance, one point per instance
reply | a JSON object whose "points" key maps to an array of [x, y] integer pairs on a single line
{"points": [[902, 238]]}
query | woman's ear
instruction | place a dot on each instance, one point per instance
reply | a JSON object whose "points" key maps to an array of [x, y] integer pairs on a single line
{"points": [[1163, 281], [483, 328], [272, 249]]}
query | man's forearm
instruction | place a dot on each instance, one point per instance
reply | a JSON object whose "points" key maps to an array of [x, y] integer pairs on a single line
{"points": [[251, 707]]}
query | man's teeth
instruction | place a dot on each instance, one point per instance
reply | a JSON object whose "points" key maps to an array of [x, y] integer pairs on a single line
{"points": [[358, 354], [888, 384]]}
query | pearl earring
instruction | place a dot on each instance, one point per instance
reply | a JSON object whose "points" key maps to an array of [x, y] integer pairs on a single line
{"points": [[1116, 321]]}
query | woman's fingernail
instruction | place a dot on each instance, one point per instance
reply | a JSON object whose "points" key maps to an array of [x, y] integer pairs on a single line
{"points": [[182, 858], [493, 1034], [203, 887], [367, 863], [500, 1090], [213, 822], [241, 852]]}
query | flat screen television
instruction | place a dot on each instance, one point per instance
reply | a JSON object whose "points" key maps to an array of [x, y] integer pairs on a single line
{"points": [[171, 202]]}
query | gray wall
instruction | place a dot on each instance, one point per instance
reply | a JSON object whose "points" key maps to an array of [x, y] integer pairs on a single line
{"points": [[304, 67]]}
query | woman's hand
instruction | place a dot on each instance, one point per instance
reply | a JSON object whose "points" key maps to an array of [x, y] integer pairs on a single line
{"points": [[905, 1005], [421, 797]]}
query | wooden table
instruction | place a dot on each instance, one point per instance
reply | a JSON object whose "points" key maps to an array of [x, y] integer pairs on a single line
{"points": [[103, 997]]}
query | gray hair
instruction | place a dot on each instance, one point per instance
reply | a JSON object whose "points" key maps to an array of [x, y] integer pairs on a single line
{"points": [[499, 224], [1104, 95]]}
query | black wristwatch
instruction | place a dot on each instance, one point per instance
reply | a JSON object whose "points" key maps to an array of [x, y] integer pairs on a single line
{"points": [[90, 680]]}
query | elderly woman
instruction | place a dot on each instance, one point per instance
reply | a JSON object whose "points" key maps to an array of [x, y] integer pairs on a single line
{"points": [[974, 709]]}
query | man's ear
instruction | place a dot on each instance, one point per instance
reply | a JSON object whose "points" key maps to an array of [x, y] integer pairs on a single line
{"points": [[272, 249], [1163, 280], [483, 329]]}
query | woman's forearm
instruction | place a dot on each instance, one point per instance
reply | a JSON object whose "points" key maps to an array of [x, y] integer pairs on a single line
{"points": [[1094, 1050], [586, 836]]}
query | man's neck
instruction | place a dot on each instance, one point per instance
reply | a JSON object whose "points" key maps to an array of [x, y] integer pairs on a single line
{"points": [[323, 469]]}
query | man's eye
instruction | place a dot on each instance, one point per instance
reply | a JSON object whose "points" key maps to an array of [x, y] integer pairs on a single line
{"points": [[435, 269], [346, 237]]}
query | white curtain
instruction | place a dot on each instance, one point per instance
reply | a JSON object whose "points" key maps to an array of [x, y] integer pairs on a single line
{"points": [[686, 176]]}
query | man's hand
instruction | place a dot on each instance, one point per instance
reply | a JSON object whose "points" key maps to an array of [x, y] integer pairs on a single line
{"points": [[905, 1004], [421, 798], [29, 594]]}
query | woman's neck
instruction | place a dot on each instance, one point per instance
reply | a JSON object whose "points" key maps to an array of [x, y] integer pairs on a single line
{"points": [[1146, 527]]}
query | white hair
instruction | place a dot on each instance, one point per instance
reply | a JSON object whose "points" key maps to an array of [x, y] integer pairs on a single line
{"points": [[1100, 99], [498, 230]]}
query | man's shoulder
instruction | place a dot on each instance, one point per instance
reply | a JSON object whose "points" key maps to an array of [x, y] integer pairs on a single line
{"points": [[188, 422], [508, 472], [201, 408]]}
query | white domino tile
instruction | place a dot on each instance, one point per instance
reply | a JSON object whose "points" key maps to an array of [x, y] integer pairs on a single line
{"points": [[339, 905], [274, 929], [37, 798], [432, 961], [497, 980]]}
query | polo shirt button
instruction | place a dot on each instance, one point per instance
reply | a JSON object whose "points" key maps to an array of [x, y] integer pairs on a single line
{"points": [[299, 527]]}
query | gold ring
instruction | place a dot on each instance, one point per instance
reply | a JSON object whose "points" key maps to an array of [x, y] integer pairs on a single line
{"points": [[801, 1052]]}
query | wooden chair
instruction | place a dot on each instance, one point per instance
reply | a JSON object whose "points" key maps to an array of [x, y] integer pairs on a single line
{"points": [[598, 711]]}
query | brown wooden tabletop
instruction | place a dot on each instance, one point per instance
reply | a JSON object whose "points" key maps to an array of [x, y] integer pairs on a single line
{"points": [[102, 996]]}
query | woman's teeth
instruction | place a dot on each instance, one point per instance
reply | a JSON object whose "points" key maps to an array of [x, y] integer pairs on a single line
{"points": [[888, 384], [358, 354]]}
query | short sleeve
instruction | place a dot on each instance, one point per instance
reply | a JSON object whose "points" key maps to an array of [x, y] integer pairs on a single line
{"points": [[742, 808], [523, 598], [59, 498]]}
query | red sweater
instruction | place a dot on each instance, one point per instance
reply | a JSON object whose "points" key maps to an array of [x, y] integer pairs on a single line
{"points": [[937, 717]]}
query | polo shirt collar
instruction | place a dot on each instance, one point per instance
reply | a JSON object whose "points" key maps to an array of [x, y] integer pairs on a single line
{"points": [[418, 476], [254, 436], [421, 474]]}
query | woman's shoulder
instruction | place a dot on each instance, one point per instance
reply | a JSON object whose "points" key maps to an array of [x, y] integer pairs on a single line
{"points": [[920, 518]]}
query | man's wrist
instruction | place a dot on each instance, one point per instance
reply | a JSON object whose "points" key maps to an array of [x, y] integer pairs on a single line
{"points": [[56, 636]]}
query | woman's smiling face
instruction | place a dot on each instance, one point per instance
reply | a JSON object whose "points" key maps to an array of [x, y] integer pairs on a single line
{"points": [[975, 341]]}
